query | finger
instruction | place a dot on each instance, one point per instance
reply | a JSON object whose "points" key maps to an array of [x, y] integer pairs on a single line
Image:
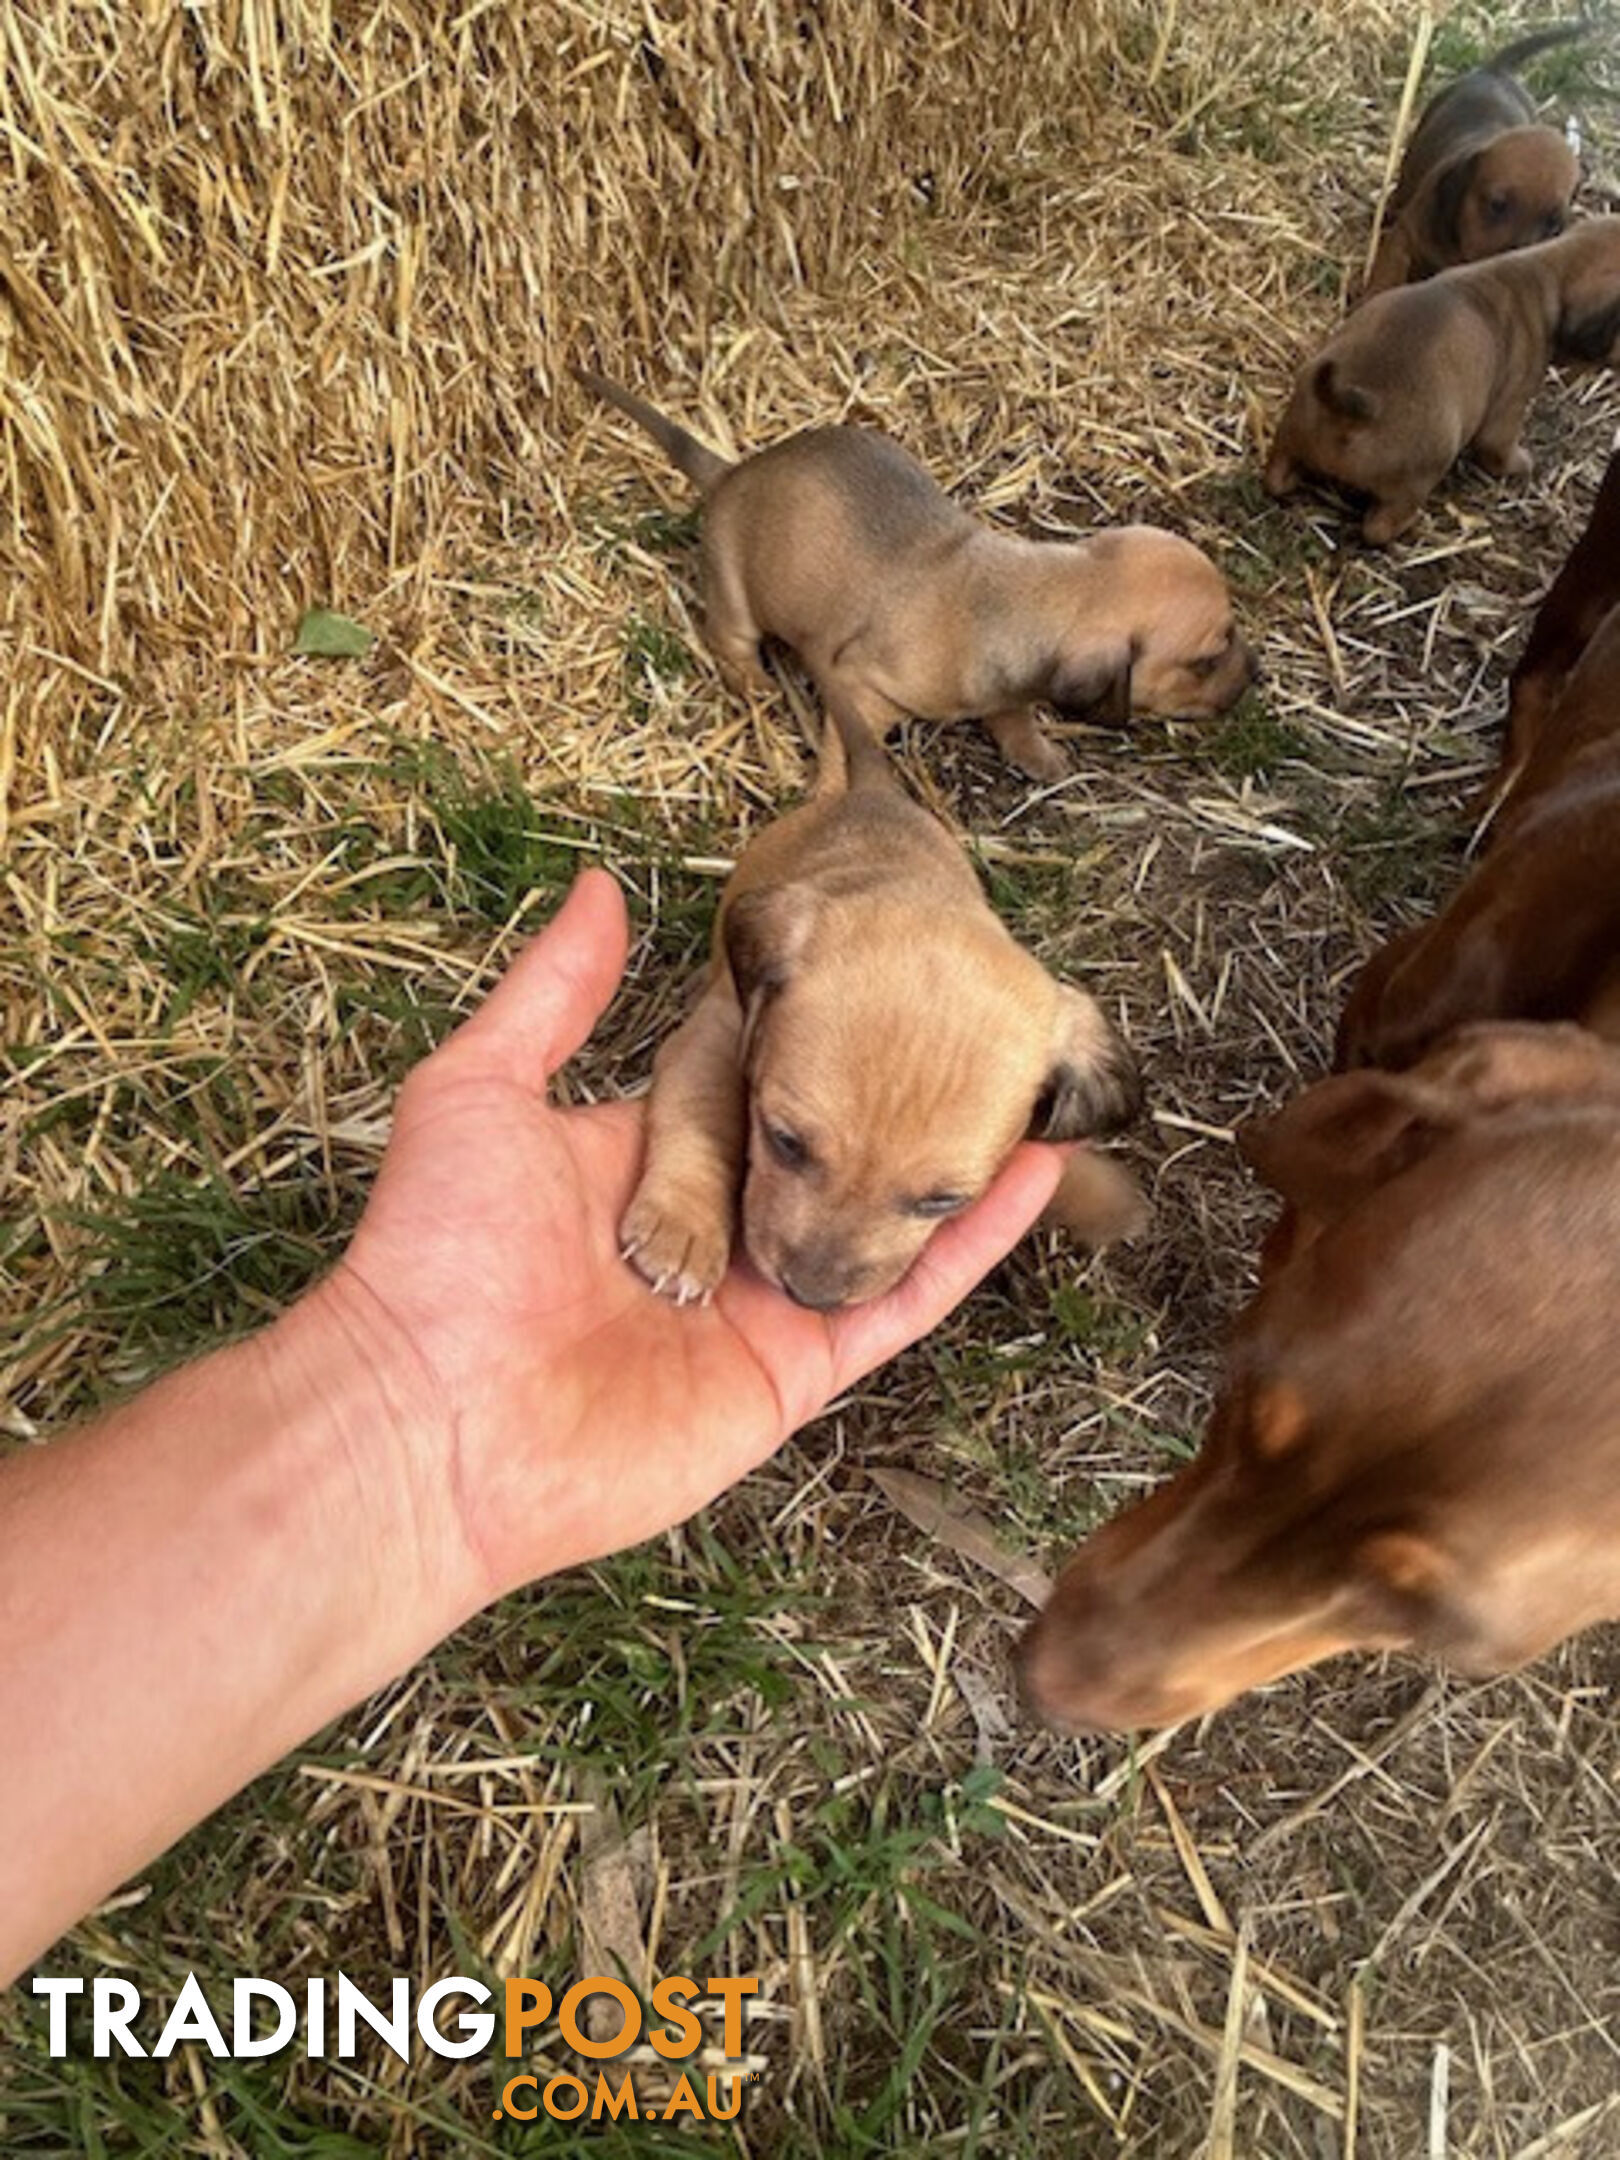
{"points": [[551, 997], [960, 1254]]}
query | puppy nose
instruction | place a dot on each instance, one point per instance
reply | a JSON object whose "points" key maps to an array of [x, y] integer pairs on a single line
{"points": [[814, 1294]]}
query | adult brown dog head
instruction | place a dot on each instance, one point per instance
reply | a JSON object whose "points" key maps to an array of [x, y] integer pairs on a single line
{"points": [[894, 1053], [1418, 1442]]}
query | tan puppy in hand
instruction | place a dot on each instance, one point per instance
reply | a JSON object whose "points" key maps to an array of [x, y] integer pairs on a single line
{"points": [[1418, 375], [870, 1046], [839, 545]]}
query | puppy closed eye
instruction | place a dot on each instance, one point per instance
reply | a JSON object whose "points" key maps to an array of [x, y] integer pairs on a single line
{"points": [[790, 1150], [935, 1206], [1497, 207]]}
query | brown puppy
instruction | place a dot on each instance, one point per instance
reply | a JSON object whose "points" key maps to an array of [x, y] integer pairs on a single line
{"points": [[839, 545], [1534, 931], [1417, 1445], [1421, 374], [869, 1047], [1580, 596], [1480, 175]]}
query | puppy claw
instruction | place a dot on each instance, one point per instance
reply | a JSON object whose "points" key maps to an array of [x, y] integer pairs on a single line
{"points": [[679, 1255]]}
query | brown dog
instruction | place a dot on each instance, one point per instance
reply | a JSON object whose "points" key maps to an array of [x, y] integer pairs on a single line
{"points": [[1421, 374], [869, 1047], [1417, 1445], [1580, 596], [836, 543], [1480, 175], [1534, 931]]}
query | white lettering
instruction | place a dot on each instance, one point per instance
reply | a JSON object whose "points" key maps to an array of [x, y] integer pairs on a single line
{"points": [[244, 2045], [394, 2029], [57, 1993], [116, 2002], [478, 2029], [191, 2019]]}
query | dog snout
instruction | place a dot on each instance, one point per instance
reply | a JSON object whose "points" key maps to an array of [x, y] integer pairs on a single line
{"points": [[1038, 1677], [819, 1282]]}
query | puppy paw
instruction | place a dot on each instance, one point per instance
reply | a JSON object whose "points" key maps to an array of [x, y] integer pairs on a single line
{"points": [[1386, 522], [1097, 1201], [682, 1251], [1024, 743]]}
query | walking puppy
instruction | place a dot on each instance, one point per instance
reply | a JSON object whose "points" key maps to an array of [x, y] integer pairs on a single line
{"points": [[1481, 175], [1417, 1445], [839, 545], [1534, 931], [1419, 375], [870, 1046]]}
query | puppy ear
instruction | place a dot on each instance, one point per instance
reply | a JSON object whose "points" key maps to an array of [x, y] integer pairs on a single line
{"points": [[1093, 685], [1435, 214], [1347, 399], [764, 935], [1093, 1085], [1587, 333], [1345, 1137]]}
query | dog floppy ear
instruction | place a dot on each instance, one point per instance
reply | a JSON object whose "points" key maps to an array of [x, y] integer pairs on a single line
{"points": [[764, 936], [1347, 399], [1344, 1137], [1436, 210], [1588, 334], [1093, 1085], [1093, 685]]}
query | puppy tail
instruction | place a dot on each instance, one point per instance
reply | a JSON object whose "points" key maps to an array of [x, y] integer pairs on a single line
{"points": [[859, 752], [1346, 399], [1540, 41], [700, 464]]}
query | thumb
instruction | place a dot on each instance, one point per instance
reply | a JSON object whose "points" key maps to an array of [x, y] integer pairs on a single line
{"points": [[957, 1256], [551, 997]]}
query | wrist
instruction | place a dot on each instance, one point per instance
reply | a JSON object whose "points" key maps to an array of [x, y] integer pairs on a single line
{"points": [[376, 1437]]}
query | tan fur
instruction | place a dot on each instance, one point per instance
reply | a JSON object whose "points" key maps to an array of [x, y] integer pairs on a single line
{"points": [[1421, 374], [837, 544], [864, 1001], [1434, 1347]]}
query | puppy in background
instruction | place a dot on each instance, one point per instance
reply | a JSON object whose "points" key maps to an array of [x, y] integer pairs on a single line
{"points": [[1420, 374], [839, 545], [1481, 174], [869, 1047]]}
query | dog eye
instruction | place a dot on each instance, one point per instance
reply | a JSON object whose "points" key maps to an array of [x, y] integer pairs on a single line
{"points": [[938, 1204], [1552, 225], [1205, 665], [785, 1144], [1498, 206]]}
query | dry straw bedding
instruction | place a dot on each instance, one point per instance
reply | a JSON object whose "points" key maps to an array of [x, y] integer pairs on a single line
{"points": [[286, 299]]}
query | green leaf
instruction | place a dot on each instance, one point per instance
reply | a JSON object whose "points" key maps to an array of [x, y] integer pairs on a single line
{"points": [[331, 636]]}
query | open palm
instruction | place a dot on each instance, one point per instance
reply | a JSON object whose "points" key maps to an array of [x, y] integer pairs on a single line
{"points": [[559, 1409]]}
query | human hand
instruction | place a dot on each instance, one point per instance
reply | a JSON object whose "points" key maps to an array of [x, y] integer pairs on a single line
{"points": [[545, 1406]]}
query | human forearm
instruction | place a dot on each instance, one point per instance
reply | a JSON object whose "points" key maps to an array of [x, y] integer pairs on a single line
{"points": [[188, 1588]]}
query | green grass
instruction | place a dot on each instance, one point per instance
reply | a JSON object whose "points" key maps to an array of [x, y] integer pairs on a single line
{"points": [[636, 1664], [1388, 849], [181, 1264], [655, 662], [1251, 743]]}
